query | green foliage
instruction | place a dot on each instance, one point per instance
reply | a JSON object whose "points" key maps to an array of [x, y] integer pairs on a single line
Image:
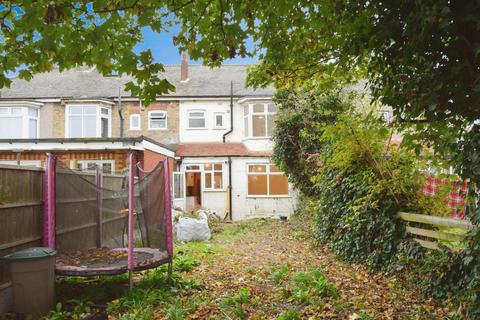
{"points": [[310, 287], [340, 157], [235, 305], [290, 314], [176, 312], [279, 274], [185, 264], [302, 118]]}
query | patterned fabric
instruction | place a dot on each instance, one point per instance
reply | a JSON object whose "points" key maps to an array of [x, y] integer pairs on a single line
{"points": [[456, 196]]}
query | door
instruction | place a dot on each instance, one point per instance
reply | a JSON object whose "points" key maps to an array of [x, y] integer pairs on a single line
{"points": [[194, 191], [179, 200]]}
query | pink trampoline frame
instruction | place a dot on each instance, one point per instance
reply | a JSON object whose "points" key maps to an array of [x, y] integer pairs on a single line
{"points": [[49, 238]]}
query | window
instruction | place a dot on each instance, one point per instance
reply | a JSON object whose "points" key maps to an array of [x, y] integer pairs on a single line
{"points": [[157, 120], [135, 122], [178, 185], [213, 176], [196, 119], [18, 123], [266, 180], [259, 119], [106, 166], [88, 121], [219, 121]]}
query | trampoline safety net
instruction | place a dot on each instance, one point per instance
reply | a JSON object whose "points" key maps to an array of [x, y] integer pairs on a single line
{"points": [[87, 219]]}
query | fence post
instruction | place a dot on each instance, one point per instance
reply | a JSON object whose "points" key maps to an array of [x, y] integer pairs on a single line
{"points": [[49, 205], [98, 182]]}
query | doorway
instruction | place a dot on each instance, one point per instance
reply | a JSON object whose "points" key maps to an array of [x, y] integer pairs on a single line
{"points": [[194, 191]]}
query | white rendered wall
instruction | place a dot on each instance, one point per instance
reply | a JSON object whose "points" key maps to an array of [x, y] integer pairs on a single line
{"points": [[209, 133], [245, 207]]}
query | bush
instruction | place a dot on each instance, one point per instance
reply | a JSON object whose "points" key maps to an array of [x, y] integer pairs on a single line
{"points": [[355, 182]]}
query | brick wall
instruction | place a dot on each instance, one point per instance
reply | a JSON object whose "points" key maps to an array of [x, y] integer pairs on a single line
{"points": [[170, 135]]}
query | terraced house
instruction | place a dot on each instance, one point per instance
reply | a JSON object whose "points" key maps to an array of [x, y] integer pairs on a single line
{"points": [[215, 132]]}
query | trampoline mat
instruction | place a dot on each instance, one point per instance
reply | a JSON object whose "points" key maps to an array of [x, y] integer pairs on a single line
{"points": [[98, 261]]}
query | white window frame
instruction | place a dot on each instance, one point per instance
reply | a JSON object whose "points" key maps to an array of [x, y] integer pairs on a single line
{"points": [[266, 173], [98, 162], [25, 116], [139, 127], [164, 113], [98, 121], [215, 115], [212, 172], [249, 116], [196, 117]]}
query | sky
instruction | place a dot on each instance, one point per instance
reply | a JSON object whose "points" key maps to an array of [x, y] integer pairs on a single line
{"points": [[165, 52]]}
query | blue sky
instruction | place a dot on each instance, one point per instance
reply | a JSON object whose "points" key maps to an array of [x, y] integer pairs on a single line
{"points": [[165, 52]]}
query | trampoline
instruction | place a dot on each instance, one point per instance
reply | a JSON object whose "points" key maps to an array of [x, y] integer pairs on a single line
{"points": [[107, 224]]}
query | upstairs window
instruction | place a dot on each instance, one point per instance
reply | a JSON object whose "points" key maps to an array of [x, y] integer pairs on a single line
{"points": [[219, 121], [259, 119], [157, 120], [88, 121], [266, 180], [18, 123], [135, 122], [196, 119]]}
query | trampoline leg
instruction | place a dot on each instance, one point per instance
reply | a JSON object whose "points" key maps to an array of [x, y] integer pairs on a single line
{"points": [[130, 280], [170, 272]]}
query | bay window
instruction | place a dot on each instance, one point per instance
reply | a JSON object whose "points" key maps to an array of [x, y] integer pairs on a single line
{"points": [[266, 180], [18, 122], [88, 121], [259, 119]]}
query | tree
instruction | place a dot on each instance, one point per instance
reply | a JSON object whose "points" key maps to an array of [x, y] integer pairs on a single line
{"points": [[420, 57]]}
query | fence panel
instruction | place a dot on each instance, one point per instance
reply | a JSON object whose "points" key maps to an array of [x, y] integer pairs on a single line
{"points": [[21, 211], [424, 229]]}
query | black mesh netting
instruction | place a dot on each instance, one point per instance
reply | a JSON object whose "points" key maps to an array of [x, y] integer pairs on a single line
{"points": [[92, 215]]}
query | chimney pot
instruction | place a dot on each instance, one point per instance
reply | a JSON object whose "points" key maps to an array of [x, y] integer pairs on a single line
{"points": [[184, 68]]}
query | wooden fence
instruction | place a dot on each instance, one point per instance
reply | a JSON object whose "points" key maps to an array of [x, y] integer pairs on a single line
{"points": [[21, 211], [427, 230]]}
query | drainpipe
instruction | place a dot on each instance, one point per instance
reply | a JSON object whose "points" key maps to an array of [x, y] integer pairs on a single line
{"points": [[120, 111], [230, 197], [231, 113]]}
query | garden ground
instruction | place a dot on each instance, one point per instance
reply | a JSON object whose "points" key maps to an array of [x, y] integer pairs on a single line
{"points": [[249, 270]]}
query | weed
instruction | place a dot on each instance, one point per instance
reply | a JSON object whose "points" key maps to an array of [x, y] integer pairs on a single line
{"points": [[278, 275], [176, 312], [290, 314], [235, 305], [185, 264], [307, 287], [58, 313]]}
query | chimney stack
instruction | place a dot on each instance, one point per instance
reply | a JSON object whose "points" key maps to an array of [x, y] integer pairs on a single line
{"points": [[184, 68]]}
